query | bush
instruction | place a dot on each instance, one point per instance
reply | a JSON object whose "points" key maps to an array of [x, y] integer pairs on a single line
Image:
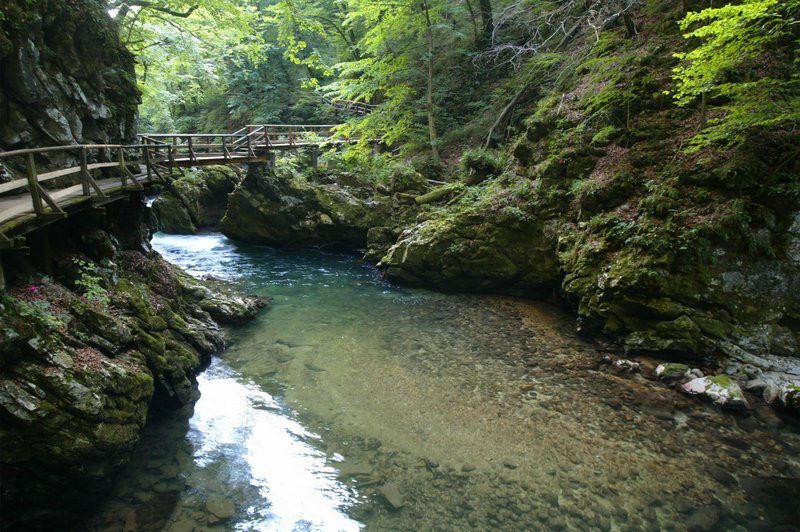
{"points": [[478, 164]]}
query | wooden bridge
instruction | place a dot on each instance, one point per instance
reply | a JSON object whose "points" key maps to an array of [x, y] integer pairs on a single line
{"points": [[91, 175]]}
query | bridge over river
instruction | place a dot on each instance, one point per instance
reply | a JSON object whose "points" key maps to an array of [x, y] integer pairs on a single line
{"points": [[88, 176]]}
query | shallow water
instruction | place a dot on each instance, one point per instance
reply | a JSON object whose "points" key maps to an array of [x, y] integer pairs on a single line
{"points": [[353, 404]]}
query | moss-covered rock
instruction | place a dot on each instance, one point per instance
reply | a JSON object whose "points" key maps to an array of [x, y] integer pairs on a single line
{"points": [[467, 253], [196, 200], [79, 373], [719, 389], [269, 209], [672, 371]]}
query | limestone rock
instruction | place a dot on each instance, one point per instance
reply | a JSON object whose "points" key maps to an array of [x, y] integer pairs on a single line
{"points": [[195, 201], [268, 209], [66, 79], [719, 389], [472, 254]]}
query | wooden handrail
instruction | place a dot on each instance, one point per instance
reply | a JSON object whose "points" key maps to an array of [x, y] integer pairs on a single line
{"points": [[155, 155]]}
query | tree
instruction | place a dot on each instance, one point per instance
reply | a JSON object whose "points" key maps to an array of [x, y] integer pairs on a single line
{"points": [[184, 51], [739, 57], [399, 47]]}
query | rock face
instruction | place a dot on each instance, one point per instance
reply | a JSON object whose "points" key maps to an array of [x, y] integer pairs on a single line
{"points": [[268, 209], [469, 252], [84, 357], [195, 201], [65, 77]]}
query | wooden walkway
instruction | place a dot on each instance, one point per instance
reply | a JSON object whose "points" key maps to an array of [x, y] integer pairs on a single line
{"points": [[95, 174]]}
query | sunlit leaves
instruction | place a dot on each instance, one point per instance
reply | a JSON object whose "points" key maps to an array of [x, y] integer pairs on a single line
{"points": [[740, 55]]}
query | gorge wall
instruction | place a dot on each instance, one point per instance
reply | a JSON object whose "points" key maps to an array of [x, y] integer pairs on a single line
{"points": [[65, 77], [96, 330]]}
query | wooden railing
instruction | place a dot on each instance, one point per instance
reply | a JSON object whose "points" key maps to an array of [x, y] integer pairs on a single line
{"points": [[88, 162], [93, 171], [250, 142]]}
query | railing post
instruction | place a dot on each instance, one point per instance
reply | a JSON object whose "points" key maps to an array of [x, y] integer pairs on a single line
{"points": [[224, 148], [122, 170], [147, 162], [172, 149], [290, 136], [192, 157], [250, 152], [85, 173], [33, 184]]}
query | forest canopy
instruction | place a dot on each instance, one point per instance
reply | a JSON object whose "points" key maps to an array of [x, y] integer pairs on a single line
{"points": [[437, 70]]}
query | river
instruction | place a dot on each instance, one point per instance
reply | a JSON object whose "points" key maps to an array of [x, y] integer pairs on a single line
{"points": [[352, 404]]}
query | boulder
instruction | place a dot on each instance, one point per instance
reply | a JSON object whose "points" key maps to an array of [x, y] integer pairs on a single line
{"points": [[672, 371], [719, 389], [273, 210], [468, 253]]}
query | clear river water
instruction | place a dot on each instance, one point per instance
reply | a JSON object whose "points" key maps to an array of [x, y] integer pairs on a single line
{"points": [[351, 404]]}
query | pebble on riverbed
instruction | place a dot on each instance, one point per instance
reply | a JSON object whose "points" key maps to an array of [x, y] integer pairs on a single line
{"points": [[391, 494]]}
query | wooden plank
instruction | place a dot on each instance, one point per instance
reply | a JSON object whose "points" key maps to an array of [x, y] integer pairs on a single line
{"points": [[85, 176], [13, 185], [50, 201], [136, 185], [95, 166], [47, 176]]}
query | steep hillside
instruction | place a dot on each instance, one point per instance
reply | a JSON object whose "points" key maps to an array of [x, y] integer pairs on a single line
{"points": [[680, 253]]}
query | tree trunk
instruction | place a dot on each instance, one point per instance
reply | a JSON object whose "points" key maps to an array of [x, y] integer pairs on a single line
{"points": [[487, 19], [476, 34], [431, 122]]}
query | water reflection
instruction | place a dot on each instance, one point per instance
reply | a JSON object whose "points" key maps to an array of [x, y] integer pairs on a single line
{"points": [[245, 431]]}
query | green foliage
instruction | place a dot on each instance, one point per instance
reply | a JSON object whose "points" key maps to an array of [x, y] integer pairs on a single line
{"points": [[745, 55], [483, 162], [90, 282]]}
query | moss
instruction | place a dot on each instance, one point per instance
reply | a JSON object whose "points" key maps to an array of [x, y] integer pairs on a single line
{"points": [[721, 380]]}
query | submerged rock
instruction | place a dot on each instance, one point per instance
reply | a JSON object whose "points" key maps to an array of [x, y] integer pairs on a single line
{"points": [[391, 494], [220, 507], [719, 389]]}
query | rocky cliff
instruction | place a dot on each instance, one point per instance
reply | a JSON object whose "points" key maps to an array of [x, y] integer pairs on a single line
{"points": [[87, 353], [65, 77]]}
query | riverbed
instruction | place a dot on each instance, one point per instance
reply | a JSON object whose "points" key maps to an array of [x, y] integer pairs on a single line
{"points": [[353, 404]]}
